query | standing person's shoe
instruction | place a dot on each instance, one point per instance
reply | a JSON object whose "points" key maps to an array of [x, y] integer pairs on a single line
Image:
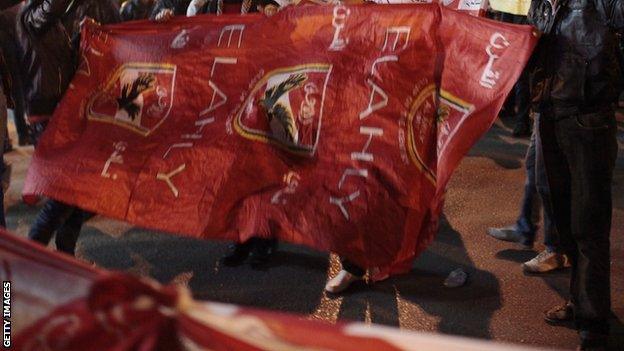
{"points": [[592, 342], [237, 255], [545, 261], [261, 252], [341, 282], [560, 314], [511, 234]]}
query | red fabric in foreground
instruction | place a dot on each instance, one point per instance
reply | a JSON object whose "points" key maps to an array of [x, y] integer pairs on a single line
{"points": [[318, 126], [59, 304]]}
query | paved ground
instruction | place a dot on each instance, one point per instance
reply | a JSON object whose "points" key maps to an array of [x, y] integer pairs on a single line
{"points": [[499, 303]]}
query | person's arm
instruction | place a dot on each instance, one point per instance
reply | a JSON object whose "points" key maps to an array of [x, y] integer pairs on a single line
{"points": [[38, 17], [126, 11], [195, 7], [612, 12], [163, 10]]}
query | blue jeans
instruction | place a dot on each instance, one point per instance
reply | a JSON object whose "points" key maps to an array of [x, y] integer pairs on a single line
{"points": [[63, 219], [536, 195]]}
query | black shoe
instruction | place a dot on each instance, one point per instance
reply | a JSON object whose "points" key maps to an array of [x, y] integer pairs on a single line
{"points": [[592, 342], [237, 255], [261, 252]]}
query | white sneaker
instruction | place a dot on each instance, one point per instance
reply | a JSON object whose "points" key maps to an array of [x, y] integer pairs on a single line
{"points": [[341, 282], [545, 261]]}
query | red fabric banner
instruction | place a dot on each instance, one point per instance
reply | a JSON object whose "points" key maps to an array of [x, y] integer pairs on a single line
{"points": [[336, 127], [53, 302]]}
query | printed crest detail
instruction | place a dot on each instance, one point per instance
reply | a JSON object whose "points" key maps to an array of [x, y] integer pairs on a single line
{"points": [[138, 97], [428, 129], [285, 108]]}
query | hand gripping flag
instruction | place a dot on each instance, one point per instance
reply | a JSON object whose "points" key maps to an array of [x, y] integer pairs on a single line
{"points": [[337, 127]]}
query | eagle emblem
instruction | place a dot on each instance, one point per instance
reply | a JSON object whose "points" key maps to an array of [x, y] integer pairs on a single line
{"points": [[285, 108], [131, 91], [279, 115], [138, 97]]}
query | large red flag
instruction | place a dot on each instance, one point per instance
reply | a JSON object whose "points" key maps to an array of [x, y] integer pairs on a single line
{"points": [[337, 127]]}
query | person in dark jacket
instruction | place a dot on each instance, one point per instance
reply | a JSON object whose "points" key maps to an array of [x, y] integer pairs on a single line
{"points": [[134, 10], [574, 83], [5, 98], [102, 11], [19, 117], [48, 56]]}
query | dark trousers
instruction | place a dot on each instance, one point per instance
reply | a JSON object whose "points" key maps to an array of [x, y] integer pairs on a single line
{"points": [[579, 154], [23, 132], [63, 219], [352, 268], [536, 196]]}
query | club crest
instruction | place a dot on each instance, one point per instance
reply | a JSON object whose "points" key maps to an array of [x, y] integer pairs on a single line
{"points": [[138, 97], [285, 108], [428, 129]]}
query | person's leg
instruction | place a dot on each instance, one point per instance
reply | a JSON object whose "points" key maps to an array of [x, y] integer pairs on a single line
{"points": [[67, 234], [590, 146], [551, 258], [50, 217], [523, 97], [350, 273], [19, 117], [523, 231], [558, 175], [530, 208], [551, 236], [352, 267]]}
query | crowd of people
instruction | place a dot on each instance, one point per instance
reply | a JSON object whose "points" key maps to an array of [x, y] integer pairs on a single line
{"points": [[570, 85]]}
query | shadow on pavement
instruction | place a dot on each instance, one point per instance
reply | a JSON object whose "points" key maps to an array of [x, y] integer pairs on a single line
{"points": [[473, 304], [294, 283]]}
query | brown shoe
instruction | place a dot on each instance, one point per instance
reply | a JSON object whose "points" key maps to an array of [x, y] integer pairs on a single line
{"points": [[560, 314]]}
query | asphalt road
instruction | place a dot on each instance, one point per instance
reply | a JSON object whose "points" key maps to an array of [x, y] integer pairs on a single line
{"points": [[499, 302]]}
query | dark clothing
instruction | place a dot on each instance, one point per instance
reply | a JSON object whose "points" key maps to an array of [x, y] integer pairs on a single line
{"points": [[102, 11], [576, 67], [178, 7], [13, 84], [134, 10], [580, 162], [45, 54], [352, 267], [5, 78], [575, 81], [536, 196], [5, 4], [63, 219]]}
